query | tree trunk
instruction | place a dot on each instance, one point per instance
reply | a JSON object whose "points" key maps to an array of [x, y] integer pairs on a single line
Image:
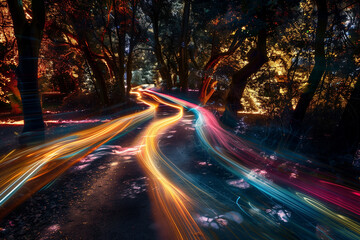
{"points": [[28, 37], [318, 70], [163, 69], [120, 79], [129, 73], [99, 77], [183, 53], [26, 72], [347, 136], [120, 22], [133, 41], [215, 58], [257, 58]]}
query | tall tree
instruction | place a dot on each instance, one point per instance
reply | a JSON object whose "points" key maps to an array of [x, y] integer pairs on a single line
{"points": [[120, 26], [155, 10], [217, 33], [133, 40], [183, 52], [215, 57], [76, 32], [318, 69], [28, 35], [257, 58]]}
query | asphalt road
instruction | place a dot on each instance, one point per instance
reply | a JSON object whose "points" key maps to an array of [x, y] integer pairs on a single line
{"points": [[171, 173]]}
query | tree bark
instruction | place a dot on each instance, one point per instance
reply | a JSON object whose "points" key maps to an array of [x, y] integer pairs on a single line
{"points": [[133, 41], [318, 70], [215, 58], [129, 73], [120, 23], [257, 58], [28, 37], [163, 69], [99, 77], [183, 53]]}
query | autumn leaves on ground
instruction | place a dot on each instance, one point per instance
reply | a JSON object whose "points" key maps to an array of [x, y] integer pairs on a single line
{"points": [[134, 119]]}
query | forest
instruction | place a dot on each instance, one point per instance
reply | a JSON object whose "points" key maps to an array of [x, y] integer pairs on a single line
{"points": [[271, 90]]}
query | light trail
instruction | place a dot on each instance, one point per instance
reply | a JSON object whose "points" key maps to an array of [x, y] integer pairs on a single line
{"points": [[21, 122], [36, 166], [182, 202], [237, 156], [167, 197]]}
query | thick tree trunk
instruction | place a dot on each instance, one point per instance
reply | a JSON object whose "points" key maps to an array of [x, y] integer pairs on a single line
{"points": [[216, 57], [99, 77], [347, 136], [28, 36], [257, 58], [318, 70], [163, 69], [183, 53], [27, 72]]}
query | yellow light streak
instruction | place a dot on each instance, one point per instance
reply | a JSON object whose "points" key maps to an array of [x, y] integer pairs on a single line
{"points": [[38, 165], [167, 198]]}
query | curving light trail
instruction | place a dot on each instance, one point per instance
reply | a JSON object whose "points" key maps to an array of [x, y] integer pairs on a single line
{"points": [[182, 201], [36, 166], [237, 156], [167, 197]]}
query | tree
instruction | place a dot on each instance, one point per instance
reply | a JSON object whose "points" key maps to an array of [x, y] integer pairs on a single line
{"points": [[9, 93], [318, 69], [217, 35], [257, 58], [183, 60], [260, 20], [28, 34], [156, 11], [346, 137], [134, 38]]}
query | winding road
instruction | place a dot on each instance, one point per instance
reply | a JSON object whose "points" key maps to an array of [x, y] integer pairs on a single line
{"points": [[201, 181]]}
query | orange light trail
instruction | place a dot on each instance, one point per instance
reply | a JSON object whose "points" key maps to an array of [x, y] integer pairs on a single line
{"points": [[223, 146], [186, 206], [168, 199], [36, 166]]}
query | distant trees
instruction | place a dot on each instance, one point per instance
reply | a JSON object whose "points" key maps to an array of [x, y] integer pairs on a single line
{"points": [[106, 34], [157, 11], [297, 61], [9, 92]]}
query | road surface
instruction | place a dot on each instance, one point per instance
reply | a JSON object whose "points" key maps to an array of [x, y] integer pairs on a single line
{"points": [[169, 171]]}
